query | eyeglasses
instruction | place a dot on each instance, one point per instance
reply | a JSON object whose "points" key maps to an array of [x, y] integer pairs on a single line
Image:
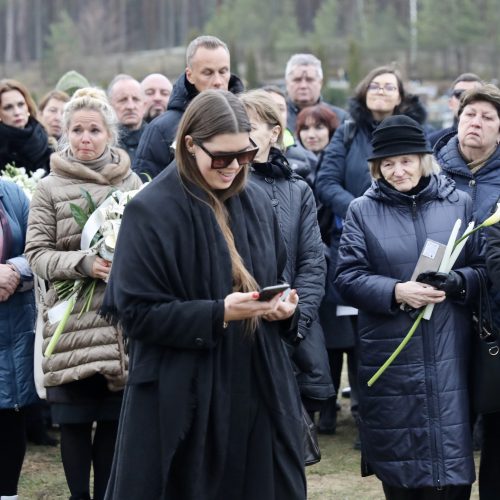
{"points": [[457, 94], [388, 88], [223, 160]]}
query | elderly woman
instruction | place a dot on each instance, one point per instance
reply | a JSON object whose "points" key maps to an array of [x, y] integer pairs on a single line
{"points": [[23, 140], [472, 159], [295, 209], [17, 318], [86, 374], [414, 421]]}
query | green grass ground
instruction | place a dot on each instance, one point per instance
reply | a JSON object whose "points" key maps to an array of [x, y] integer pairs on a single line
{"points": [[336, 477]]}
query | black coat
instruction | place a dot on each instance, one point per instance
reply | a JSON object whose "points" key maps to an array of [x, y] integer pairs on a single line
{"points": [[26, 147], [295, 208], [155, 147], [129, 140], [493, 265], [200, 398], [415, 420]]}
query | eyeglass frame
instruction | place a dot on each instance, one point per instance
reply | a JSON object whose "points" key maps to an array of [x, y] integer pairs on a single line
{"points": [[228, 157], [374, 88]]}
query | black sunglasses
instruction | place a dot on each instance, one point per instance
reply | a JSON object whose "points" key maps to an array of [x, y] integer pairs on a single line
{"points": [[457, 94], [223, 160]]}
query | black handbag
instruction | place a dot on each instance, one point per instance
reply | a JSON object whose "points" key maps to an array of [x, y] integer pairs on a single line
{"points": [[486, 370], [312, 453]]}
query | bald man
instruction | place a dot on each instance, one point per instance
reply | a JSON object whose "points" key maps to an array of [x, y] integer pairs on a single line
{"points": [[156, 89]]}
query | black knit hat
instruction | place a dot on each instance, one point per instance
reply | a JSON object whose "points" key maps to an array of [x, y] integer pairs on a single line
{"points": [[398, 135]]}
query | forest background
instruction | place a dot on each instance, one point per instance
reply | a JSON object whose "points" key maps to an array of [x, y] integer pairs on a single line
{"points": [[428, 40]]}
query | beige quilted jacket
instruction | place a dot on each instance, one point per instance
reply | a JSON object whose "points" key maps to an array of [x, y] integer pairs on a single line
{"points": [[88, 345]]}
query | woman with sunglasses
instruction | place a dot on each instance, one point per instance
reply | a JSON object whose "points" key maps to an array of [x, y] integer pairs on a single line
{"points": [[211, 409], [295, 208], [343, 176]]}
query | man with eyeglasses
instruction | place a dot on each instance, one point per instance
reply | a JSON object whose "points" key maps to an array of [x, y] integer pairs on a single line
{"points": [[207, 67], [304, 79], [463, 82]]}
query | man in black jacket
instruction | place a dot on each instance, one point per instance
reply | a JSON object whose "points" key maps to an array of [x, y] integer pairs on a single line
{"points": [[207, 67]]}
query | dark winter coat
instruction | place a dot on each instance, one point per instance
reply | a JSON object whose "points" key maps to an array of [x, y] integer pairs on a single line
{"points": [[344, 173], [193, 384], [305, 270], [155, 147], [129, 140], [17, 314], [293, 110], [483, 186], [414, 421], [493, 265], [26, 147]]}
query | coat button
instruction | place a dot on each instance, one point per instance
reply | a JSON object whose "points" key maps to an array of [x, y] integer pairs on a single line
{"points": [[274, 202], [472, 183], [199, 342]]}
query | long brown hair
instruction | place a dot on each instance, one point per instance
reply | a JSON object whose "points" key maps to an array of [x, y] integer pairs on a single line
{"points": [[211, 113]]}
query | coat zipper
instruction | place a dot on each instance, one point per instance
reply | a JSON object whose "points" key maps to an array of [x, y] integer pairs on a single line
{"points": [[421, 236]]}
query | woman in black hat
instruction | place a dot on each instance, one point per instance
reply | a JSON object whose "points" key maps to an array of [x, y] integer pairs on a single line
{"points": [[414, 421]]}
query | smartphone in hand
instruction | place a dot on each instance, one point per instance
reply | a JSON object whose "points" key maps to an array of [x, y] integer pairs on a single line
{"points": [[269, 292]]}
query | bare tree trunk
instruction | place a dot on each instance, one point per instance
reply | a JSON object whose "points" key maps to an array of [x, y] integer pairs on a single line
{"points": [[183, 22], [171, 14], [23, 30], [10, 31], [37, 11]]}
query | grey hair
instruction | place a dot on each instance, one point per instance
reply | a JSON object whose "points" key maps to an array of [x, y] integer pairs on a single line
{"points": [[94, 99], [428, 164], [304, 60], [206, 41], [115, 80]]}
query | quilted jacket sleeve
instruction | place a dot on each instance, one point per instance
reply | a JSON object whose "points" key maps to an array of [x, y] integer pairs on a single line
{"points": [[358, 285], [41, 239]]}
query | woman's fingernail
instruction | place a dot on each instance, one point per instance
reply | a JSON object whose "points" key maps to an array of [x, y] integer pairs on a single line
{"points": [[255, 295]]}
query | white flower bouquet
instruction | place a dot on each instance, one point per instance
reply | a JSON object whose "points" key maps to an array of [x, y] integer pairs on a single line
{"points": [[18, 175], [100, 226]]}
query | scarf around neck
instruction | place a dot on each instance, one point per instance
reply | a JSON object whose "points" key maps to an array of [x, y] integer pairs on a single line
{"points": [[109, 169]]}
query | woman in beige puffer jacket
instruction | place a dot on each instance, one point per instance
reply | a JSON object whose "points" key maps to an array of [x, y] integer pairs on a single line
{"points": [[86, 373]]}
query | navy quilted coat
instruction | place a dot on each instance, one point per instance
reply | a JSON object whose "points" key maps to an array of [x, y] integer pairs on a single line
{"points": [[17, 314], [415, 426], [483, 186]]}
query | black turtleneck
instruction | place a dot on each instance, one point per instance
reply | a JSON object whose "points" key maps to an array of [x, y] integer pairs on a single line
{"points": [[422, 184]]}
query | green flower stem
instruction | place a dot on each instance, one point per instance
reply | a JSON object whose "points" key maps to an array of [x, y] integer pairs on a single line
{"points": [[60, 327], [400, 347], [466, 235]]}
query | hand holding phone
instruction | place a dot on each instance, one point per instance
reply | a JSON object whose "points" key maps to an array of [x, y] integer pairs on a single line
{"points": [[269, 292]]}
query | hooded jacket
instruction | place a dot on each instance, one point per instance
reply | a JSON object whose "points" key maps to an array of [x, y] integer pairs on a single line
{"points": [[482, 186], [89, 344], [415, 420], [155, 147], [295, 209]]}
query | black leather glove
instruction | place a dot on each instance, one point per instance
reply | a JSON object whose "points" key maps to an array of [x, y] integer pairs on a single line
{"points": [[452, 283]]}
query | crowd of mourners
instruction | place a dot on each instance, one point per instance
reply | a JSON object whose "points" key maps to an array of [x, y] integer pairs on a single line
{"points": [[177, 376]]}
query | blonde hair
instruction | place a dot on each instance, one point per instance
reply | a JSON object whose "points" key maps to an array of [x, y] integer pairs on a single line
{"points": [[93, 99], [428, 166], [263, 105], [211, 113]]}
